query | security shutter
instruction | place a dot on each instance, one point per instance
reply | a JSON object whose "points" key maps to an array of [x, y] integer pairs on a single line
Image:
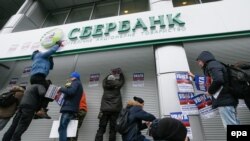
{"points": [[129, 60]]}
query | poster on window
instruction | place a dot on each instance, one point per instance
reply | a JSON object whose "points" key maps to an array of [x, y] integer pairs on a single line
{"points": [[202, 83], [204, 105], [183, 82], [138, 80], [94, 79], [185, 120], [187, 104], [13, 81], [26, 71], [116, 72]]}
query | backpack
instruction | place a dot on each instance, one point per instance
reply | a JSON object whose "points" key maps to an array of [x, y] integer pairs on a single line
{"points": [[239, 79], [7, 99], [122, 123]]}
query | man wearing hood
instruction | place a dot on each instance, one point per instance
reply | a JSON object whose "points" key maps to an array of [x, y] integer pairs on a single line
{"points": [[225, 102], [111, 105]]}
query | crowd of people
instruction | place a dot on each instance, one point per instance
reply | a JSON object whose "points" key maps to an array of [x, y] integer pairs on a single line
{"points": [[32, 104]]}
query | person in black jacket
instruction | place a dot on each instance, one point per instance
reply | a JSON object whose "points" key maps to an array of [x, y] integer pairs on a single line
{"points": [[135, 118], [111, 105], [29, 105], [225, 102], [70, 107]]}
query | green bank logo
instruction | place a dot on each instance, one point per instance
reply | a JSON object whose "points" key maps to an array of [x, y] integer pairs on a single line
{"points": [[51, 37], [125, 26]]}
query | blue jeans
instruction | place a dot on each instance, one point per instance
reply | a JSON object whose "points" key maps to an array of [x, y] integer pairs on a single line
{"points": [[228, 115], [64, 122]]}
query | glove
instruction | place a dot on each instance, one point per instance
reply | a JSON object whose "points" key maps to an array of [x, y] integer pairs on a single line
{"points": [[60, 43]]}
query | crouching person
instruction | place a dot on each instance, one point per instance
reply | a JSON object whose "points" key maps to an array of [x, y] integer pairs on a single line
{"points": [[70, 107], [29, 105], [168, 129], [136, 116]]}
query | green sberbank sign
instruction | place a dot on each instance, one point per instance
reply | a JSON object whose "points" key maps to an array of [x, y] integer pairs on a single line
{"points": [[125, 26]]}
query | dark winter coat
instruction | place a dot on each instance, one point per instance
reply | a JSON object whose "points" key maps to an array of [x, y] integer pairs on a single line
{"points": [[168, 129], [72, 97], [218, 73], [32, 97], [111, 99], [136, 116]]}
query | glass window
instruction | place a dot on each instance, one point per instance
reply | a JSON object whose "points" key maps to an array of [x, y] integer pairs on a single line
{"points": [[79, 14], [56, 18], [178, 3], [133, 6], [2, 23], [205, 1], [104, 9]]}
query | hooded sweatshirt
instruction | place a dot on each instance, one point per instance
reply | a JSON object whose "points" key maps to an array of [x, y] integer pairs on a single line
{"points": [[218, 73]]}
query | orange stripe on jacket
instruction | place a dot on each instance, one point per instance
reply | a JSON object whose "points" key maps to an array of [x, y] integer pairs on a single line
{"points": [[83, 102]]}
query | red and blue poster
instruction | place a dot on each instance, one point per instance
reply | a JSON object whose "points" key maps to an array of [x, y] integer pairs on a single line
{"points": [[94, 79], [204, 105], [138, 79], [26, 71], [185, 120], [13, 81], [202, 83], [183, 82], [187, 103]]}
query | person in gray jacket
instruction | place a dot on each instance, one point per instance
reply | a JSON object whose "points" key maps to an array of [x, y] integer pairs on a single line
{"points": [[28, 106]]}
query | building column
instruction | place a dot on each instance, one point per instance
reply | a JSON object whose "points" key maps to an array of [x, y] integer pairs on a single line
{"points": [[15, 19], [171, 58]]}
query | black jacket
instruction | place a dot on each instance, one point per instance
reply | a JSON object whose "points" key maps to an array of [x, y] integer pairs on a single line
{"points": [[136, 116], [32, 97], [168, 129], [72, 97], [111, 99], [218, 73]]}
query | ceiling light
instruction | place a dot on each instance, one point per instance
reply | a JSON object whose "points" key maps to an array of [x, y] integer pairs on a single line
{"points": [[126, 11], [184, 3]]}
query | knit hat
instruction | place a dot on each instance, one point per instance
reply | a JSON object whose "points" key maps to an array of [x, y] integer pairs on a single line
{"points": [[138, 99], [111, 77], [75, 75]]}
